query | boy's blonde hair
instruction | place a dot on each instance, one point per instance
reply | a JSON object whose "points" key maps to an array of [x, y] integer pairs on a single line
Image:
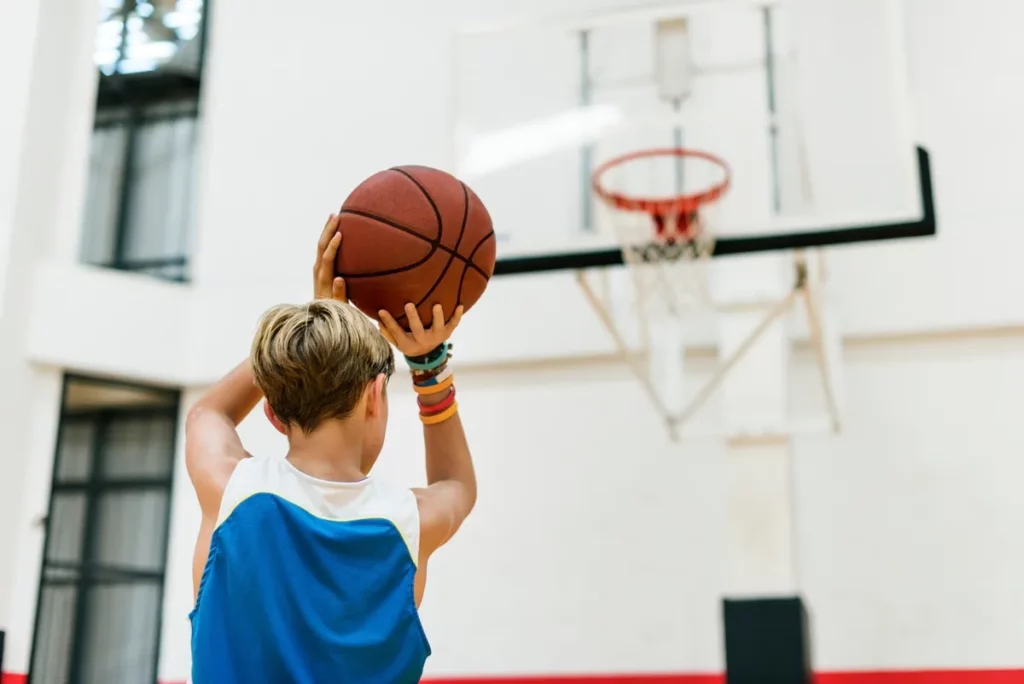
{"points": [[314, 362]]}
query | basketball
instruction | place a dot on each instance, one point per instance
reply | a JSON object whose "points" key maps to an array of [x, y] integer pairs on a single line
{"points": [[414, 234]]}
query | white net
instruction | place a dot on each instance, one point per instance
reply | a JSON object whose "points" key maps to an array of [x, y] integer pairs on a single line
{"points": [[667, 241]]}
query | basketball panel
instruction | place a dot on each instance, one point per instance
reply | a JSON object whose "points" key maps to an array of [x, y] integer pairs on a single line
{"points": [[392, 292], [370, 246], [395, 199], [447, 197]]}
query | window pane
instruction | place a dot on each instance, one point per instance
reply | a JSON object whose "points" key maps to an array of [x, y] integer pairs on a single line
{"points": [[74, 457], [155, 35], [52, 648], [60, 576], [161, 206], [102, 203], [139, 447], [120, 633], [131, 529], [65, 527]]}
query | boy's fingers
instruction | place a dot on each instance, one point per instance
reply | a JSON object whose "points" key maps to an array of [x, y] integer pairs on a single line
{"points": [[437, 326], [454, 322], [391, 326], [330, 228], [328, 256], [338, 290], [415, 324]]}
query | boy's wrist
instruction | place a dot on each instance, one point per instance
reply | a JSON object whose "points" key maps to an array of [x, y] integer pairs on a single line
{"points": [[436, 398], [432, 359], [433, 382]]}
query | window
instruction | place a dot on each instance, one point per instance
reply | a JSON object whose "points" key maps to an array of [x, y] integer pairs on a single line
{"points": [[100, 596], [139, 36], [140, 202]]}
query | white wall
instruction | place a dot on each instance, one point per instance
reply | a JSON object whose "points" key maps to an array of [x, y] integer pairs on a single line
{"points": [[324, 140], [265, 195], [44, 128], [596, 545]]}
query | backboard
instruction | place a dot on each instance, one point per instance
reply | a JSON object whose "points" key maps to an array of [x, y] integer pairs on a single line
{"points": [[806, 100], [793, 115]]}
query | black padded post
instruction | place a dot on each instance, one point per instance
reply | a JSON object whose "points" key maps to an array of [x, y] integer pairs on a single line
{"points": [[767, 641]]}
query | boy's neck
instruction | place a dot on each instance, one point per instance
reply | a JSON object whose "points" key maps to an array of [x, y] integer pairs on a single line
{"points": [[331, 452]]}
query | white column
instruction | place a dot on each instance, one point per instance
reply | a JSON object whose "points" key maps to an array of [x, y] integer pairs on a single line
{"points": [[48, 84], [18, 21], [176, 634], [18, 28], [754, 405]]}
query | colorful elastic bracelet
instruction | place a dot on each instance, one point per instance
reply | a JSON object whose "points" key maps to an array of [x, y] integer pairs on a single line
{"points": [[427, 366], [419, 373], [432, 380], [420, 377], [436, 418], [435, 388], [423, 358], [430, 360], [439, 406]]}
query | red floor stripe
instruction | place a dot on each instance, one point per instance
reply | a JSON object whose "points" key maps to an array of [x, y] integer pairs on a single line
{"points": [[585, 679], [923, 677], [865, 677], [898, 677]]}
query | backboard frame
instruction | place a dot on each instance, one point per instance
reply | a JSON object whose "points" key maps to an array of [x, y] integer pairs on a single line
{"points": [[759, 314], [825, 236]]}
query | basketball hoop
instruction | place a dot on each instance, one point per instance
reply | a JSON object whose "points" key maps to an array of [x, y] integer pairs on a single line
{"points": [[675, 216], [663, 229]]}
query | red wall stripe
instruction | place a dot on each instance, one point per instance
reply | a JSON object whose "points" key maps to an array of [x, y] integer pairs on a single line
{"points": [[877, 677]]}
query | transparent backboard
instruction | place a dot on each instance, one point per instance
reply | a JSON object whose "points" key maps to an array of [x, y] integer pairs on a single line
{"points": [[805, 100]]}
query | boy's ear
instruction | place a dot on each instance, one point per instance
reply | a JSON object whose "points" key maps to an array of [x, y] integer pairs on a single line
{"points": [[375, 395], [274, 420]]}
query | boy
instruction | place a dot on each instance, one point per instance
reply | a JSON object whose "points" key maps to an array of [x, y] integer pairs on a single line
{"points": [[307, 569]]}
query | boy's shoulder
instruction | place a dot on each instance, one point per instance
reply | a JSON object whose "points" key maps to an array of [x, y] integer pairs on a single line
{"points": [[327, 501]]}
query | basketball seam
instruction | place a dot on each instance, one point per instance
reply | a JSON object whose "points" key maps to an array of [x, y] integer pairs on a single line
{"points": [[430, 200], [462, 279], [451, 258], [393, 271], [434, 244]]}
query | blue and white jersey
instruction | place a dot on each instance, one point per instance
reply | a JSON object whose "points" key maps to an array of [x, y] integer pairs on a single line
{"points": [[309, 581]]}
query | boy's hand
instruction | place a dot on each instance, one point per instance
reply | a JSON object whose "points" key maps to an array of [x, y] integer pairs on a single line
{"points": [[419, 341], [325, 284]]}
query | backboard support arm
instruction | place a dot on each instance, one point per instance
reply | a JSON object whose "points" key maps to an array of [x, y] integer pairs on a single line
{"points": [[801, 291]]}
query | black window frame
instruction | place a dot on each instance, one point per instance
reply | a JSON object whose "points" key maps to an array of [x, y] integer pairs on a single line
{"points": [[128, 100], [87, 572]]}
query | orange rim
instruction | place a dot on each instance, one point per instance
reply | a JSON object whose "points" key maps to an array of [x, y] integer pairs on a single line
{"points": [[678, 205]]}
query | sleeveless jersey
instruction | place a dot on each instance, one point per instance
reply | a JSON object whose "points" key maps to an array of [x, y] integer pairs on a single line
{"points": [[309, 581]]}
